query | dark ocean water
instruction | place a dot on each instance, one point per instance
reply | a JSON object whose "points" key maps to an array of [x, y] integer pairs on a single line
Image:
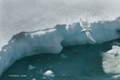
{"points": [[80, 62]]}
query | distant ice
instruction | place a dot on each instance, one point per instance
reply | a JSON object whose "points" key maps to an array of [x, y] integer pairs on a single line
{"points": [[31, 67], [4, 50], [116, 77], [63, 56], [33, 79], [39, 72], [49, 73]]}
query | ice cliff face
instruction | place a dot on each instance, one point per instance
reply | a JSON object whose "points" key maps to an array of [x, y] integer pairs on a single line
{"points": [[52, 40]]}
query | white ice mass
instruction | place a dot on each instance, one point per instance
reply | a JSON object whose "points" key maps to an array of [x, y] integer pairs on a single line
{"points": [[45, 26], [49, 73], [33, 79], [111, 60], [63, 56]]}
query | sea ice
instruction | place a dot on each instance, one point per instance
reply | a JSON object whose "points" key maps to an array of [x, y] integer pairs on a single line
{"points": [[116, 77], [31, 67], [63, 56], [33, 79], [49, 73], [53, 40], [111, 60]]}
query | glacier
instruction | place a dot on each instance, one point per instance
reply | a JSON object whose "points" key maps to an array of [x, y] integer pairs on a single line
{"points": [[52, 40]]}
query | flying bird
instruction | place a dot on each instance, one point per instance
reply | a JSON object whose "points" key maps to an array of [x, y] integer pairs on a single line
{"points": [[87, 31]]}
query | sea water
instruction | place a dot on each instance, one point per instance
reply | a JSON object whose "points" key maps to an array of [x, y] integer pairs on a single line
{"points": [[82, 62]]}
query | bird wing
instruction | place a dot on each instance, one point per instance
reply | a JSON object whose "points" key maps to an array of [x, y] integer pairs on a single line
{"points": [[89, 36], [81, 24]]}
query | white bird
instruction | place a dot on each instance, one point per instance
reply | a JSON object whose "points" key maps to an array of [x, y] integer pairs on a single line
{"points": [[87, 31]]}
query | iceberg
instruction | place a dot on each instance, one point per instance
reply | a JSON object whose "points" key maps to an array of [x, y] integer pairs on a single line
{"points": [[52, 40]]}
